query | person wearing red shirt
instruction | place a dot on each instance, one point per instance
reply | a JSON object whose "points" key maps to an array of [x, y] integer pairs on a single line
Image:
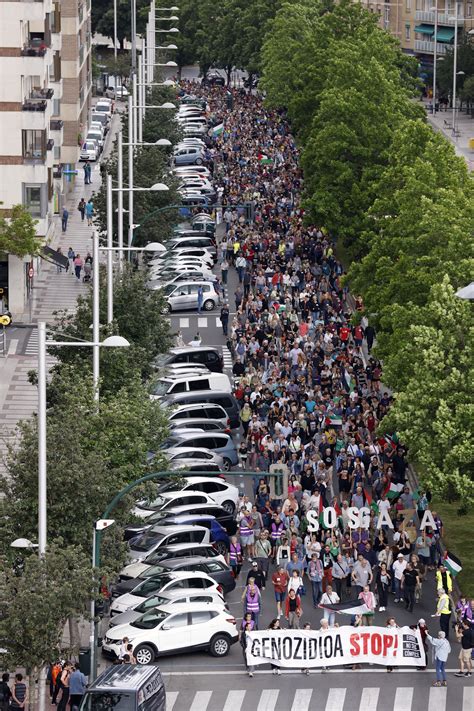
{"points": [[280, 583]]}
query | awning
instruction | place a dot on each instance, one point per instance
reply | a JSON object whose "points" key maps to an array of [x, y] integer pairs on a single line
{"points": [[425, 29], [445, 34]]}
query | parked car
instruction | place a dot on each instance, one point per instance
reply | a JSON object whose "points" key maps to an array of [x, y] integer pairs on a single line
{"points": [[219, 539], [160, 536], [205, 425], [191, 382], [171, 629], [104, 106], [127, 683], [90, 151], [170, 597], [183, 455], [189, 155], [194, 465], [119, 92], [96, 135], [171, 581], [184, 296], [225, 518], [217, 442], [191, 239], [225, 400], [221, 492], [99, 117], [209, 356], [168, 499]]}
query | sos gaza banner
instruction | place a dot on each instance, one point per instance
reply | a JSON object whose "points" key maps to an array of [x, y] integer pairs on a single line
{"points": [[310, 649]]}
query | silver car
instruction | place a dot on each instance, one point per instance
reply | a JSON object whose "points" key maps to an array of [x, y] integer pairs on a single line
{"points": [[182, 454], [184, 295]]}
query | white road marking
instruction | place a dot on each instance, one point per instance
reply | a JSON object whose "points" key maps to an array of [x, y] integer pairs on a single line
{"points": [[301, 700], [184, 323], [234, 701], [468, 698], [171, 697], [335, 700], [202, 322], [369, 699], [403, 698], [200, 701], [437, 700], [268, 699], [12, 346]]}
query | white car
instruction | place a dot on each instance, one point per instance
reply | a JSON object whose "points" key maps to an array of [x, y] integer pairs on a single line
{"points": [[223, 493], [90, 151], [94, 134], [176, 580], [170, 597], [119, 92], [167, 499], [175, 628], [158, 536]]}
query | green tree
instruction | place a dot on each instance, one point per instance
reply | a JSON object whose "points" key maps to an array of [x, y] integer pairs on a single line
{"points": [[464, 63], [40, 601], [92, 454], [18, 233], [103, 18], [434, 413]]}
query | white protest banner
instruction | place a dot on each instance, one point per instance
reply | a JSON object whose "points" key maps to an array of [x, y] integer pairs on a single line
{"points": [[309, 649]]}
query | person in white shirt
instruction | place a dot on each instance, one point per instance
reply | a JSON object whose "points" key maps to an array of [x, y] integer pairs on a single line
{"points": [[329, 598], [398, 569]]}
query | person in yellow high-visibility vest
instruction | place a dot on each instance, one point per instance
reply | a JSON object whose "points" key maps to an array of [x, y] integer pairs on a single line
{"points": [[444, 579], [443, 611]]}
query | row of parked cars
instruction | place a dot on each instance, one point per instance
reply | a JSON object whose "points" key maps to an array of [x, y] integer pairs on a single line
{"points": [[170, 597], [99, 125]]}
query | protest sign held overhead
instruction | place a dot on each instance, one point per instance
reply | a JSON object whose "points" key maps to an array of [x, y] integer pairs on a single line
{"points": [[312, 649]]}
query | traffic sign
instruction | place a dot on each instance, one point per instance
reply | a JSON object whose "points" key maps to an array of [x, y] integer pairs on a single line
{"points": [[31, 272], [5, 320]]}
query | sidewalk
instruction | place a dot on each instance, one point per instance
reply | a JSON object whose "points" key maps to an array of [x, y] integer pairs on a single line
{"points": [[52, 291], [442, 122]]}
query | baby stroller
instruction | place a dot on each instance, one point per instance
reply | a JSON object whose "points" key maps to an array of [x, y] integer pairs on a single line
{"points": [[87, 273]]}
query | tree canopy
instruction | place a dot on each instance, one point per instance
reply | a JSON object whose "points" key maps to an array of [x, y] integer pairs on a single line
{"points": [[18, 233]]}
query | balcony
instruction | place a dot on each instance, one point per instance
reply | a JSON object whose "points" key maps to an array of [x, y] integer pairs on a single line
{"points": [[56, 125], [443, 19], [427, 47], [58, 170], [50, 144], [37, 45]]}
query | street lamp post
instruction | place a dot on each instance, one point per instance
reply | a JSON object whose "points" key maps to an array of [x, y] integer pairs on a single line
{"points": [[455, 60], [435, 55]]}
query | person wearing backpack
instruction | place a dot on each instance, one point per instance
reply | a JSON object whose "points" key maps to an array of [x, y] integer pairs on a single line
{"points": [[5, 692]]}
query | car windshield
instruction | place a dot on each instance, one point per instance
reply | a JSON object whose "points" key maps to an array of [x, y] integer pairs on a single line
{"points": [[149, 620], [151, 585], [145, 541], [170, 442], [106, 700], [169, 287], [161, 387], [161, 360], [156, 570], [150, 603], [101, 109]]}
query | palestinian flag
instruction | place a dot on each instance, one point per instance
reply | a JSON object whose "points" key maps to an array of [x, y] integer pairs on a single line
{"points": [[333, 420], [452, 563], [351, 607], [263, 159], [393, 491], [416, 495], [370, 502], [217, 130]]}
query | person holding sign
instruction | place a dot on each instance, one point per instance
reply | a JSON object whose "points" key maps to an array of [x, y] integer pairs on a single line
{"points": [[329, 598]]}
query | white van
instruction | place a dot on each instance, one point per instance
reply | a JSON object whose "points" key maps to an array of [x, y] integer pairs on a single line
{"points": [[190, 383]]}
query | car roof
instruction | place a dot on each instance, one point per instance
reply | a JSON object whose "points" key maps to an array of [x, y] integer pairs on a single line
{"points": [[165, 530], [174, 494], [174, 563], [183, 450], [180, 592], [202, 479], [189, 607], [179, 574], [192, 349], [184, 508], [125, 677], [175, 547], [197, 516]]}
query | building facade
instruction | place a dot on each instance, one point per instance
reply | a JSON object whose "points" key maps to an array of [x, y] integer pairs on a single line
{"points": [[45, 96]]}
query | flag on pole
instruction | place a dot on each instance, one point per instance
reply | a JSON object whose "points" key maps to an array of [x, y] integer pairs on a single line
{"points": [[263, 159], [452, 563], [370, 502], [393, 491], [217, 130]]}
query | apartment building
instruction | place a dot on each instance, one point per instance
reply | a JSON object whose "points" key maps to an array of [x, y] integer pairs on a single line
{"points": [[412, 22], [31, 130], [76, 69]]}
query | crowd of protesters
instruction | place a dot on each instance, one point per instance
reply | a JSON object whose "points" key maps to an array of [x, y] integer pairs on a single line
{"points": [[311, 399]]}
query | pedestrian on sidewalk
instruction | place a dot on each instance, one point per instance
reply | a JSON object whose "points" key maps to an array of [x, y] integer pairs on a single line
{"points": [[5, 692], [19, 697], [200, 298], [82, 208], [87, 173], [58, 266], [225, 319], [78, 264], [90, 212], [77, 686], [71, 256], [224, 270], [441, 651], [65, 681], [64, 219]]}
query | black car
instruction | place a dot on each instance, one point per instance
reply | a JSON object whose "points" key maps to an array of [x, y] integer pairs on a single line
{"points": [[204, 355], [214, 79], [216, 569], [226, 519]]}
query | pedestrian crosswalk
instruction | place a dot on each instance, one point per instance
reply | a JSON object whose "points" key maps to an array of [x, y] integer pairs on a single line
{"points": [[423, 697], [227, 357], [32, 344], [202, 321]]}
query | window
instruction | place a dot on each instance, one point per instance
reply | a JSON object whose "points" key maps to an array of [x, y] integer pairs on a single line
{"points": [[199, 385], [214, 413], [407, 32], [214, 567], [34, 144], [178, 388], [199, 618], [56, 107], [177, 621], [33, 200]]}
